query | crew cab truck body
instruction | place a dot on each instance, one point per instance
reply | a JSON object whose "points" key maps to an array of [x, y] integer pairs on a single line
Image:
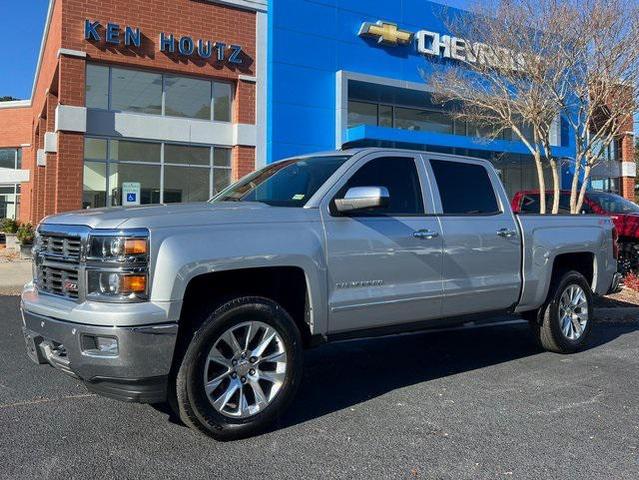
{"points": [[210, 306]]}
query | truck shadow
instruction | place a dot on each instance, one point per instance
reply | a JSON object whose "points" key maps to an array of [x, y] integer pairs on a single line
{"points": [[342, 375]]}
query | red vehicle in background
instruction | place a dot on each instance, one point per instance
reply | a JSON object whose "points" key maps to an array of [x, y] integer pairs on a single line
{"points": [[624, 214]]}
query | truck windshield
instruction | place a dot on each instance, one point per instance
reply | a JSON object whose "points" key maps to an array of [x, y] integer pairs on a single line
{"points": [[289, 183], [611, 203]]}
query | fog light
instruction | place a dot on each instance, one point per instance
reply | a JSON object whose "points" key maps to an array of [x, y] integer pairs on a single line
{"points": [[97, 345], [107, 345]]}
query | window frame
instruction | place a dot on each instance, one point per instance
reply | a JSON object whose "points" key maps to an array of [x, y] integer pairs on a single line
{"points": [[328, 202], [163, 75], [17, 191], [211, 168], [492, 177]]}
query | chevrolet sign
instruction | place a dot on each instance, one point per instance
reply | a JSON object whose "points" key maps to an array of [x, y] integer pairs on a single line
{"points": [[434, 44]]}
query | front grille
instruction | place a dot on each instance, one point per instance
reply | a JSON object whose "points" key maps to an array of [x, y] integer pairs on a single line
{"points": [[58, 281], [66, 248], [57, 258]]}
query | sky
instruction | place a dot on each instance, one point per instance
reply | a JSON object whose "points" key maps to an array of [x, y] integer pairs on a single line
{"points": [[24, 21]]}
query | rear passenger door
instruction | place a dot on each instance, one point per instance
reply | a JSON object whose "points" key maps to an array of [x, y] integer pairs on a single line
{"points": [[482, 244]]}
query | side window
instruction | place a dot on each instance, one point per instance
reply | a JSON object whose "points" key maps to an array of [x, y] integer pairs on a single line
{"points": [[399, 175], [464, 188]]}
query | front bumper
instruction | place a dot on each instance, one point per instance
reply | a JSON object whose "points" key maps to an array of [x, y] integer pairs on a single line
{"points": [[138, 372]]}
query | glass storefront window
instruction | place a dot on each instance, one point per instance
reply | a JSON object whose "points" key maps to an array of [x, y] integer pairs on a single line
{"points": [[127, 90], [186, 184], [136, 91], [361, 113], [94, 185], [222, 157], [222, 169], [128, 151], [187, 155], [95, 149], [222, 95], [385, 116], [189, 175], [147, 175], [422, 120], [97, 87], [8, 158], [187, 97], [222, 179]]}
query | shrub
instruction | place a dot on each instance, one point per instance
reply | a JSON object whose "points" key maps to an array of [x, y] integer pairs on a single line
{"points": [[632, 281], [26, 234], [9, 225]]}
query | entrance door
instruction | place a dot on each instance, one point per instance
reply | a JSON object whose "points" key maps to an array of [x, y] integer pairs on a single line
{"points": [[385, 263]]}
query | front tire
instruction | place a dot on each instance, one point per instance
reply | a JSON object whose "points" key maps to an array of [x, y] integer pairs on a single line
{"points": [[565, 321], [241, 369]]}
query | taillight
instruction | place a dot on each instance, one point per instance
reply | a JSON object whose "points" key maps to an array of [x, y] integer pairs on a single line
{"points": [[615, 243]]}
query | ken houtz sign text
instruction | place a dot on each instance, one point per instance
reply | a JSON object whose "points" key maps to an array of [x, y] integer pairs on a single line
{"points": [[114, 34], [443, 46]]}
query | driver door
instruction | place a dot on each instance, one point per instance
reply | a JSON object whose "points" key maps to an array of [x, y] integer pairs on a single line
{"points": [[384, 263]]}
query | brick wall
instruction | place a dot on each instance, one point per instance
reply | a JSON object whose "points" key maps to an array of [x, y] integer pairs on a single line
{"points": [[61, 80], [243, 161], [627, 184], [15, 126]]}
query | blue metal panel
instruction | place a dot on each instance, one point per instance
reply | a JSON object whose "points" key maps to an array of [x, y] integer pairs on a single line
{"points": [[311, 40]]}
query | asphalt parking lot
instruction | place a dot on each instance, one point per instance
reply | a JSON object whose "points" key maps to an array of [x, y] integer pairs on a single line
{"points": [[471, 404]]}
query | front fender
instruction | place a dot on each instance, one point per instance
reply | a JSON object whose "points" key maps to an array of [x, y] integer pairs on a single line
{"points": [[187, 253]]}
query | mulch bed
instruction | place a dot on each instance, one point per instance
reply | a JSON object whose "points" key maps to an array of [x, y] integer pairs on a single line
{"points": [[627, 298]]}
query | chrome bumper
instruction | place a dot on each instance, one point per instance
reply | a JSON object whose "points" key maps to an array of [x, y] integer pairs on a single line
{"points": [[137, 372]]}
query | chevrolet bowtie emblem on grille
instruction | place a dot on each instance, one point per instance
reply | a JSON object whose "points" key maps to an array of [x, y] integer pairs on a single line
{"points": [[386, 33]]}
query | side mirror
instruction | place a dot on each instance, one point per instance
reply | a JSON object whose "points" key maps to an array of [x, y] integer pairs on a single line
{"points": [[360, 198]]}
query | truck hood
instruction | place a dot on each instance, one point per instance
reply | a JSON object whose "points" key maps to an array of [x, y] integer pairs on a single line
{"points": [[180, 215]]}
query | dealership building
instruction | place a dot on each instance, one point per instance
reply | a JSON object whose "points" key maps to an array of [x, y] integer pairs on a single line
{"points": [[161, 101]]}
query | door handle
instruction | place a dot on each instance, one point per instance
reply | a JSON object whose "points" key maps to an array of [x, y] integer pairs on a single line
{"points": [[425, 234], [505, 233]]}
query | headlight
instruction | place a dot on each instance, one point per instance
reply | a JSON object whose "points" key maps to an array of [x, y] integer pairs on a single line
{"points": [[117, 266], [123, 248]]}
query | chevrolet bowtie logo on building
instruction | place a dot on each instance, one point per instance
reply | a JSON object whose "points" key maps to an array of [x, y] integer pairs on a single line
{"points": [[386, 33]]}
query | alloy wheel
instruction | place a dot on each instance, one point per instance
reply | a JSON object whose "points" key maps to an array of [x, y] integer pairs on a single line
{"points": [[573, 312], [245, 369]]}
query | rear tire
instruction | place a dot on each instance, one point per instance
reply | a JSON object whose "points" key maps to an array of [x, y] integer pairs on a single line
{"points": [[565, 321], [241, 369]]}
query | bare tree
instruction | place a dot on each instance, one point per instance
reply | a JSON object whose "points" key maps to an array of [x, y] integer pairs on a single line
{"points": [[529, 61], [505, 86], [597, 94]]}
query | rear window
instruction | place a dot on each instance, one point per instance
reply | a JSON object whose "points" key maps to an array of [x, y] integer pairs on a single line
{"points": [[612, 203], [464, 188], [530, 204]]}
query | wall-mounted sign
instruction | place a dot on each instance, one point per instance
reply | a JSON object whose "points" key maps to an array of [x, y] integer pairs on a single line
{"points": [[442, 46], [114, 34], [130, 193]]}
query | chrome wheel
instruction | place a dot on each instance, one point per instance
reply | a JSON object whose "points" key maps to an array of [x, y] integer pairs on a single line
{"points": [[573, 312], [245, 369]]}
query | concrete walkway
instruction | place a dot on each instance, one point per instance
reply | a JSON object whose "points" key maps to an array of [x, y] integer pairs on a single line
{"points": [[13, 276]]}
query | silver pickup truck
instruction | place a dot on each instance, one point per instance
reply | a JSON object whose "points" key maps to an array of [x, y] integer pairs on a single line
{"points": [[210, 306]]}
